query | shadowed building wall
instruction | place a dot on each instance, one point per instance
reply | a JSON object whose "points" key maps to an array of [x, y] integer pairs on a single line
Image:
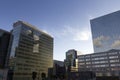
{"points": [[4, 53]]}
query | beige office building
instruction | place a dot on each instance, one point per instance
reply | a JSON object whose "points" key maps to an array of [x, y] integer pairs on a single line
{"points": [[31, 51]]}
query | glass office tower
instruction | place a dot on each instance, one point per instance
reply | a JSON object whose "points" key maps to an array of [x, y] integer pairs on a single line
{"points": [[32, 51], [106, 32], [71, 60], [4, 48], [5, 38]]}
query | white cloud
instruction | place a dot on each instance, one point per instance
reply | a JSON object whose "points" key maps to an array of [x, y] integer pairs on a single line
{"points": [[116, 44], [76, 33], [98, 42], [90, 17], [84, 35]]}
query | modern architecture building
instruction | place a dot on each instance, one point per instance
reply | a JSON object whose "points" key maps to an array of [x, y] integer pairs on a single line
{"points": [[102, 63], [58, 71], [71, 61], [59, 68], [31, 52], [5, 38], [106, 32], [4, 47]]}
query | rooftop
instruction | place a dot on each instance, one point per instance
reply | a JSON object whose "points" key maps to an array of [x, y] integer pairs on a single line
{"points": [[31, 26]]}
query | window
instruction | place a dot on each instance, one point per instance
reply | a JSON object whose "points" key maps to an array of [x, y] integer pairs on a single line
{"points": [[111, 57], [88, 62], [88, 59], [36, 48], [81, 63], [81, 60], [116, 60], [112, 53], [98, 62], [28, 32], [114, 65]]}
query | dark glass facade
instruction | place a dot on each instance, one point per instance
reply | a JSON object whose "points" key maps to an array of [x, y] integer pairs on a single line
{"points": [[32, 51], [58, 70], [106, 32], [4, 48], [71, 60]]}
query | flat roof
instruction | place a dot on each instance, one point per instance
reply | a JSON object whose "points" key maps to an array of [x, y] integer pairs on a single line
{"points": [[115, 12], [31, 26], [111, 50], [4, 31]]}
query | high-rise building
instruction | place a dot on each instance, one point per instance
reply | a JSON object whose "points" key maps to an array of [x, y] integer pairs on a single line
{"points": [[71, 60], [106, 32], [5, 37], [105, 63], [4, 47], [31, 52]]}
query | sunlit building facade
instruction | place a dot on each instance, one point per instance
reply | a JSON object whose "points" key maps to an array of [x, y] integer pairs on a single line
{"points": [[102, 63], [31, 51], [106, 32]]}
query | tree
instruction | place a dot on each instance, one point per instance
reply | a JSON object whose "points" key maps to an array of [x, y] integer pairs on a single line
{"points": [[43, 75], [34, 75]]}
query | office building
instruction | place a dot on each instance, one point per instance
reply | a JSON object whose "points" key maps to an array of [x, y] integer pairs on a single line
{"points": [[5, 37], [4, 47], [58, 71], [71, 61], [31, 52], [71, 64], [102, 63], [106, 32]]}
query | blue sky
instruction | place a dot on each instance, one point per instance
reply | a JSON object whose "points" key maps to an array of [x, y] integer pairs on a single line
{"points": [[68, 21]]}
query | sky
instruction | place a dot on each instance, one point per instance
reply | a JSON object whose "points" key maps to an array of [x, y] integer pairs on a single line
{"points": [[68, 21]]}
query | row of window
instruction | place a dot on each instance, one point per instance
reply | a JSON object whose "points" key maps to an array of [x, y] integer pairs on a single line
{"points": [[98, 58], [103, 65], [98, 55], [100, 62]]}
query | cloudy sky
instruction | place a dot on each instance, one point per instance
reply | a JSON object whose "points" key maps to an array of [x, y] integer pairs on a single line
{"points": [[68, 21]]}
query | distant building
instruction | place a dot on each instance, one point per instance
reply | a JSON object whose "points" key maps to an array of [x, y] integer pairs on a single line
{"points": [[72, 68], [102, 63], [5, 37], [59, 68], [31, 52], [106, 32], [58, 71], [71, 61]]}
